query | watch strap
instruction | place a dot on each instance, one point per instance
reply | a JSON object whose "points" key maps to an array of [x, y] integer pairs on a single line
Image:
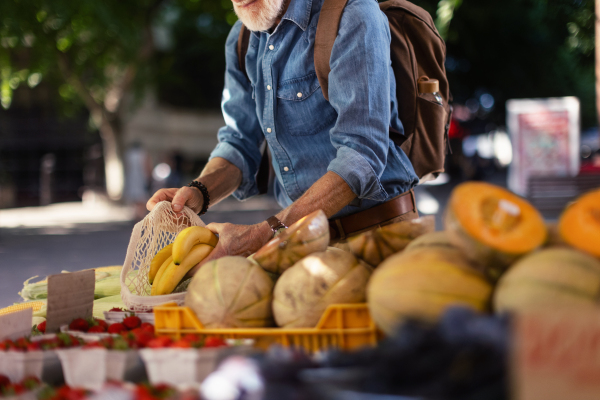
{"points": [[275, 224]]}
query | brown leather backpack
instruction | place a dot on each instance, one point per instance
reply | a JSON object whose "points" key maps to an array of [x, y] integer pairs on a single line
{"points": [[418, 54]]}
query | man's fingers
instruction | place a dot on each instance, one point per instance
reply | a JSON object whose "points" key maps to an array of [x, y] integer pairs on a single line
{"points": [[182, 196], [215, 227], [187, 196], [161, 195]]}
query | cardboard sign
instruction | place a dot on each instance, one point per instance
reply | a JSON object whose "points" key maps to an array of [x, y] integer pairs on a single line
{"points": [[545, 139], [16, 324], [70, 296], [556, 355]]}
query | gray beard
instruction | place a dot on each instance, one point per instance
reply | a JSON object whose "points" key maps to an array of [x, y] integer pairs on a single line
{"points": [[262, 16]]}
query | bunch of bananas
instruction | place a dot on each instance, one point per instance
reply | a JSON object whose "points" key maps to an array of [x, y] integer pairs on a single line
{"points": [[170, 264]]}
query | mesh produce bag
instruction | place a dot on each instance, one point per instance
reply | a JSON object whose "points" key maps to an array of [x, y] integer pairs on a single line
{"points": [[158, 229]]}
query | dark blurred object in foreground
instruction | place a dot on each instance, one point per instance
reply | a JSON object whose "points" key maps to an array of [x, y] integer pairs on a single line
{"points": [[463, 357]]}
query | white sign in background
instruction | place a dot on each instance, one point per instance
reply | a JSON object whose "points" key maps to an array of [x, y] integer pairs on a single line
{"points": [[545, 139]]}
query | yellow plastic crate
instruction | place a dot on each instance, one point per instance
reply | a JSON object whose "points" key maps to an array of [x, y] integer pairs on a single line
{"points": [[35, 305], [342, 326]]}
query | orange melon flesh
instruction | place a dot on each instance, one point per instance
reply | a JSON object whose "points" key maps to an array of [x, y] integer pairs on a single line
{"points": [[579, 224], [493, 226], [376, 245], [308, 235]]}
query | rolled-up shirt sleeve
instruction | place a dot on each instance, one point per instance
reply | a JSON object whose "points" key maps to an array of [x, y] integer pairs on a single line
{"points": [[359, 90], [241, 138]]}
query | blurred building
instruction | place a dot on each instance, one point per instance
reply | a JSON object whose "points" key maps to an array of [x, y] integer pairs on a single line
{"points": [[47, 158]]}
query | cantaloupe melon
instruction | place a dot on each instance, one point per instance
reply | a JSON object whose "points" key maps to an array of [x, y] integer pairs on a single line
{"points": [[579, 224], [492, 226], [306, 236], [231, 292], [304, 291], [376, 245], [550, 278], [422, 284], [432, 239]]}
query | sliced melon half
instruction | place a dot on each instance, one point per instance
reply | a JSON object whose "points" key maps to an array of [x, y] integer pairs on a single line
{"points": [[493, 226], [579, 224]]}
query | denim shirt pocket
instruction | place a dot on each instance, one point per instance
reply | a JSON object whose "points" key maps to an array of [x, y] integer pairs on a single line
{"points": [[302, 106]]}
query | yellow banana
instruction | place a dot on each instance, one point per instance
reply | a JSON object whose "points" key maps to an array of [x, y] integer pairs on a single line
{"points": [[189, 237], [174, 273], [159, 274], [158, 260]]}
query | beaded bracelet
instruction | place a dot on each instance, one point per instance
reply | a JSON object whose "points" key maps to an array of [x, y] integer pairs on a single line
{"points": [[200, 186]]}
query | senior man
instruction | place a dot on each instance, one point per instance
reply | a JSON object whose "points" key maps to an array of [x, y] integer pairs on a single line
{"points": [[333, 155]]}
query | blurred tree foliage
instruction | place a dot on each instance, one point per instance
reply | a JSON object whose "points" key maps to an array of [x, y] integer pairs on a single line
{"points": [[95, 53], [190, 67], [522, 49], [503, 48]]}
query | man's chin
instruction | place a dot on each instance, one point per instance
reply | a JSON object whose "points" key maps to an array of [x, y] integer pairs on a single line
{"points": [[253, 24]]}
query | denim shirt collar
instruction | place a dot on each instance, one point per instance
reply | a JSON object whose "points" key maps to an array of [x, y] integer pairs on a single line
{"points": [[298, 12]]}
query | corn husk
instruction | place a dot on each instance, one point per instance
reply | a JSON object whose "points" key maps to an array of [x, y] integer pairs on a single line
{"points": [[107, 284], [105, 304]]}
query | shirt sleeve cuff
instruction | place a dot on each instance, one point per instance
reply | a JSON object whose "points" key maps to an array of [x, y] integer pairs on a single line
{"points": [[358, 174], [248, 187]]}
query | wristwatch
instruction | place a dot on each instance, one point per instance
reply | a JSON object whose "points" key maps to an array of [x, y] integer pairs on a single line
{"points": [[276, 225]]}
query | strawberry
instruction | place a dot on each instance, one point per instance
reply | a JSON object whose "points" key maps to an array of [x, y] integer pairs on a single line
{"points": [[101, 323], [22, 343], [97, 329], [42, 327], [147, 326], [160, 342], [79, 324], [116, 328], [132, 322], [116, 309], [212, 341], [107, 342], [141, 337], [4, 381], [190, 337], [181, 344], [33, 346], [6, 344]]}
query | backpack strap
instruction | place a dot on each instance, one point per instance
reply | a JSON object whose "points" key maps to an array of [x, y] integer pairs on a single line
{"points": [[327, 30], [242, 48]]}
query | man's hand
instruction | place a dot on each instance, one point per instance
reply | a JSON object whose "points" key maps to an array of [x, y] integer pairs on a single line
{"points": [[236, 240], [219, 176], [188, 196]]}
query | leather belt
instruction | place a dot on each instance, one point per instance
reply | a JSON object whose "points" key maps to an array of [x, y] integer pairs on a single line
{"points": [[340, 228]]}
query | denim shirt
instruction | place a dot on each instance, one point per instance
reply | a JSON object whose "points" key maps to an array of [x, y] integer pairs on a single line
{"points": [[306, 134]]}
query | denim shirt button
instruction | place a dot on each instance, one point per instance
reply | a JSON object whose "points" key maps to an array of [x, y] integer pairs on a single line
{"points": [[269, 130], [268, 87], [299, 95], [286, 169], [271, 47]]}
